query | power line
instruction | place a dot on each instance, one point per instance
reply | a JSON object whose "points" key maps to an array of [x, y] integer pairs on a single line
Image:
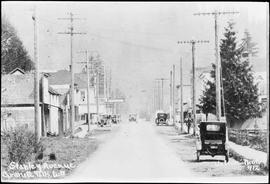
{"points": [[193, 42], [217, 54], [88, 86], [130, 43], [216, 13], [71, 33]]}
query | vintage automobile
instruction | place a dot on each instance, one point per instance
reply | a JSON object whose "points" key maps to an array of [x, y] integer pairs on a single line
{"points": [[118, 118], [104, 120], [162, 118], [132, 117], [115, 118], [212, 139]]}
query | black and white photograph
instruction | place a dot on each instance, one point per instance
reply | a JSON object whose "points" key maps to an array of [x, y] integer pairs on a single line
{"points": [[142, 91]]}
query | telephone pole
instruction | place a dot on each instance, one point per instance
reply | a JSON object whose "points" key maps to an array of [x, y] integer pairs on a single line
{"points": [[181, 95], [155, 97], [170, 94], [217, 55], [71, 33], [173, 94], [88, 86], [157, 88], [193, 79], [36, 80], [97, 94], [162, 94], [267, 66]]}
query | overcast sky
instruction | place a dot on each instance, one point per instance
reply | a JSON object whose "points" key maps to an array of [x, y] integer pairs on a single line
{"points": [[138, 41]]}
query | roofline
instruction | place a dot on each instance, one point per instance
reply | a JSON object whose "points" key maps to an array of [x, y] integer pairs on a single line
{"points": [[21, 70], [18, 105], [214, 122]]}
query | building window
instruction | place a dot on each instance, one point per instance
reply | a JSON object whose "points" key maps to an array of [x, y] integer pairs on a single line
{"points": [[82, 96], [82, 117]]}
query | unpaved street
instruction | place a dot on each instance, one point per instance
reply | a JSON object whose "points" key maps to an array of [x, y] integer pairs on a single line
{"points": [[136, 153]]}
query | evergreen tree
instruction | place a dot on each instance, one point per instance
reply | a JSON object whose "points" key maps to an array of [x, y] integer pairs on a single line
{"points": [[240, 92], [248, 46], [13, 53]]}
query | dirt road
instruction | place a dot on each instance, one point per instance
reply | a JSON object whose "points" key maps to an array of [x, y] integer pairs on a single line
{"points": [[210, 167], [136, 153]]}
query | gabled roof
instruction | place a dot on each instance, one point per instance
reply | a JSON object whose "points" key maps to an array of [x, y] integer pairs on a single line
{"points": [[260, 76], [19, 89], [53, 91], [63, 77], [17, 69]]}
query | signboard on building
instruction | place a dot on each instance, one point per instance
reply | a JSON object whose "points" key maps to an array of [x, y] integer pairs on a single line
{"points": [[116, 100]]}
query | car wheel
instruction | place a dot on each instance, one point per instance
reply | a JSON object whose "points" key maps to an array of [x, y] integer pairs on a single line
{"points": [[198, 156], [227, 157]]}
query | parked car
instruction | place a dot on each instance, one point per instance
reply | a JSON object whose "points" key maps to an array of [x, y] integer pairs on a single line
{"points": [[115, 119], [104, 120], [132, 117], [212, 139], [162, 118], [118, 118]]}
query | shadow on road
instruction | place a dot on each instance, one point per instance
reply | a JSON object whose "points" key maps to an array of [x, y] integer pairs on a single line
{"points": [[207, 160]]}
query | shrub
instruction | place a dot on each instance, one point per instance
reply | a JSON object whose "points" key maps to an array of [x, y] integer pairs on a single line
{"points": [[21, 145]]}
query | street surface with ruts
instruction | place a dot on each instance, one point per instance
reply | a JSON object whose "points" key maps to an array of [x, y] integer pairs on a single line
{"points": [[142, 151]]}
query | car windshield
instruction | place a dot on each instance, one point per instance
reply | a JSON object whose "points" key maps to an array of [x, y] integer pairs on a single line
{"points": [[161, 114]]}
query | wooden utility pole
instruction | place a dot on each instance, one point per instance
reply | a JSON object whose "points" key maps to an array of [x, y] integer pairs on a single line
{"points": [[162, 94], [158, 90], [71, 33], [155, 96], [267, 66], [88, 87], [181, 95], [193, 79], [36, 80], [170, 93], [97, 94], [105, 83], [154, 100], [173, 94], [110, 83], [217, 55]]}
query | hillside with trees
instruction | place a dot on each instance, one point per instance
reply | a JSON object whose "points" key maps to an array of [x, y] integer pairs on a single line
{"points": [[13, 53]]}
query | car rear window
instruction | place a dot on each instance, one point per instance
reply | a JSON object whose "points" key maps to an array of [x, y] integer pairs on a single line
{"points": [[215, 128]]}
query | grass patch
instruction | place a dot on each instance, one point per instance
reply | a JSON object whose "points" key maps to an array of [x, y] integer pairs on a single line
{"points": [[59, 159], [69, 150]]}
